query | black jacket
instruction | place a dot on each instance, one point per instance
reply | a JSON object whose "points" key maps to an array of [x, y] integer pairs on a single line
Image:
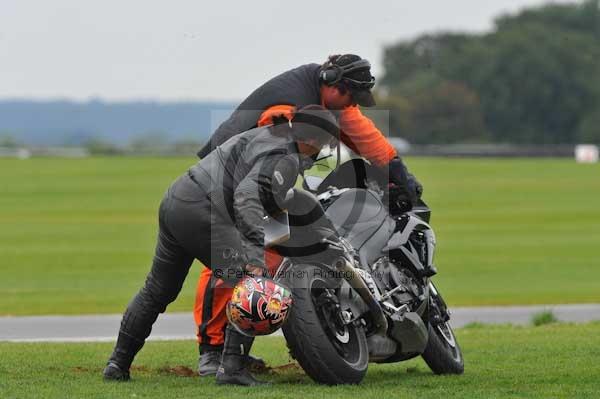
{"points": [[299, 86], [247, 178]]}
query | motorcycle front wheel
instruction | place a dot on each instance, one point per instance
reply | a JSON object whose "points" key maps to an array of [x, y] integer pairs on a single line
{"points": [[443, 354], [329, 350]]}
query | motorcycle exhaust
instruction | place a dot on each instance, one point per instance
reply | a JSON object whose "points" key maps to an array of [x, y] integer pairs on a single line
{"points": [[353, 278]]}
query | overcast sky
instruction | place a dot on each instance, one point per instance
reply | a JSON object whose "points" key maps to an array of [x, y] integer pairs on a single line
{"points": [[208, 50]]}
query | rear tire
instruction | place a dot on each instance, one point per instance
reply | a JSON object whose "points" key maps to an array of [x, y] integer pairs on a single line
{"points": [[443, 354], [329, 352]]}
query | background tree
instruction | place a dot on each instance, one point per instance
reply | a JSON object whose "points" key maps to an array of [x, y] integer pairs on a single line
{"points": [[534, 79]]}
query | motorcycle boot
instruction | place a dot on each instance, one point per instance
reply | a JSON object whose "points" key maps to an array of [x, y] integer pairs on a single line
{"points": [[256, 364], [233, 370], [112, 372], [117, 368], [209, 363]]}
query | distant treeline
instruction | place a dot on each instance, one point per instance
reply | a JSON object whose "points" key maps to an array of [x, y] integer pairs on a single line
{"points": [[95, 122], [534, 79]]}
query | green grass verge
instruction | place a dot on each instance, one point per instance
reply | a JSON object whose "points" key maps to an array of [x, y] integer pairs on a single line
{"points": [[557, 361], [77, 236]]}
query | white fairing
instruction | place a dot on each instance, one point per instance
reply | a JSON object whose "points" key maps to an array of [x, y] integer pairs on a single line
{"points": [[400, 238]]}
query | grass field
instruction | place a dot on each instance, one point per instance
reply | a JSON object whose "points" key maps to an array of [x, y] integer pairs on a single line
{"points": [[551, 361], [77, 236]]}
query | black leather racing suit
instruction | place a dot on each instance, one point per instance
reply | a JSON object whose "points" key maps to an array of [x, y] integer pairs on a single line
{"points": [[213, 212]]}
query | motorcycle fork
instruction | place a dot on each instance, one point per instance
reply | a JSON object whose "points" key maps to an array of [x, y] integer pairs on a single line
{"points": [[438, 311]]}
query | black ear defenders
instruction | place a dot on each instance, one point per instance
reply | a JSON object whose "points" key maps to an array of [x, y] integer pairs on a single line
{"points": [[332, 73]]}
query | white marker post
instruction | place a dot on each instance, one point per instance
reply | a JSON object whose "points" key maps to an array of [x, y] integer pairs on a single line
{"points": [[586, 153]]}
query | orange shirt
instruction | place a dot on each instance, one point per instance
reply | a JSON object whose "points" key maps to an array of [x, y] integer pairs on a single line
{"points": [[357, 131]]}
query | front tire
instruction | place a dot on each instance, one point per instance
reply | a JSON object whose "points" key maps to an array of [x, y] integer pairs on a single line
{"points": [[330, 352], [443, 354]]}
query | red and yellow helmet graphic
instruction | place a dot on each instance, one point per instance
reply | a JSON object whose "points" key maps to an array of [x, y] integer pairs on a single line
{"points": [[258, 306]]}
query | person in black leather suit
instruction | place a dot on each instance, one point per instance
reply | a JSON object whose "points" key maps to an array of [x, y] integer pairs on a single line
{"points": [[214, 213]]}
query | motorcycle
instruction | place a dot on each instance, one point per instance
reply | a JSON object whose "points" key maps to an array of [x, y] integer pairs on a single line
{"points": [[363, 294]]}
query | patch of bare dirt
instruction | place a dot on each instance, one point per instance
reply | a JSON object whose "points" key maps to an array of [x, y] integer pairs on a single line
{"points": [[285, 368], [181, 371]]}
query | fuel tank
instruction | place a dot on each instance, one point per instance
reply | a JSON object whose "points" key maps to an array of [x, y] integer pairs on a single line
{"points": [[360, 217]]}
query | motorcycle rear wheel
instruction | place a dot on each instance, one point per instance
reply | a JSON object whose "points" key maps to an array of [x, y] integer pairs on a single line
{"points": [[329, 351]]}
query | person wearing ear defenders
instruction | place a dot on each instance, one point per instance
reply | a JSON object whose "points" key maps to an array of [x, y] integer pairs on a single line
{"points": [[341, 84]]}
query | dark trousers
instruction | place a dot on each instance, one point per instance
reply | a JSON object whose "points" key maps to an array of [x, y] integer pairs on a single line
{"points": [[189, 228]]}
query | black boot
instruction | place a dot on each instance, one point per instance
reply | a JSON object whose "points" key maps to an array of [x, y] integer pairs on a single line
{"points": [[256, 364], [120, 361], [233, 368], [210, 360], [112, 372]]}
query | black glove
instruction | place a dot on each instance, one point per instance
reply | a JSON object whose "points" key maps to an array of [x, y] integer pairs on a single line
{"points": [[415, 186], [408, 187], [397, 199]]}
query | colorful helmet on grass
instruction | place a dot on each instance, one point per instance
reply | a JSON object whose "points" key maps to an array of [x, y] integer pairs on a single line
{"points": [[258, 306]]}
